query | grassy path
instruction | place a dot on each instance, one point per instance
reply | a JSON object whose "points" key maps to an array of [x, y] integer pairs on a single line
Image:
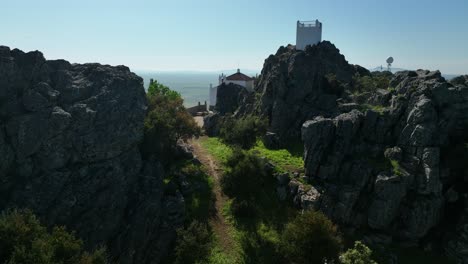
{"points": [[221, 228]]}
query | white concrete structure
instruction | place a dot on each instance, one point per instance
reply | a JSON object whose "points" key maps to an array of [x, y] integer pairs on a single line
{"points": [[236, 78], [308, 33], [213, 93]]}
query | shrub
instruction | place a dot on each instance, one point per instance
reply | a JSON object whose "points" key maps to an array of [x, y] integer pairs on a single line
{"points": [[167, 120], [311, 238], [245, 175], [193, 243], [359, 254], [369, 83], [24, 240], [242, 208], [242, 132]]}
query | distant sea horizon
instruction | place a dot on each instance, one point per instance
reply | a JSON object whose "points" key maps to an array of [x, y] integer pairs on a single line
{"points": [[194, 85]]}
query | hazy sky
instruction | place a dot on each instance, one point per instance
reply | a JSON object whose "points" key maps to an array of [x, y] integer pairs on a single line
{"points": [[216, 35]]}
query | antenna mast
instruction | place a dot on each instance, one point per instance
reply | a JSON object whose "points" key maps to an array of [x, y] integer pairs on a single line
{"points": [[389, 63]]}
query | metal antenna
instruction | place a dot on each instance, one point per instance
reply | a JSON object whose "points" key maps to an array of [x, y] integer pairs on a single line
{"points": [[389, 63]]}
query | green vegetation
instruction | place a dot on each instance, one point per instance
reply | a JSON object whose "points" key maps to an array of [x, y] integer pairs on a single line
{"points": [[311, 238], [195, 240], [254, 209], [397, 170], [166, 122], [369, 83], [283, 159], [359, 254], [216, 148], [376, 108], [199, 203], [24, 240], [244, 177], [259, 218], [242, 132], [193, 244]]}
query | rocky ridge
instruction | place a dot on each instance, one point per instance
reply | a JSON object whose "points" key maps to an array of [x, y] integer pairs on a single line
{"points": [[388, 162], [295, 86], [392, 170], [69, 142]]}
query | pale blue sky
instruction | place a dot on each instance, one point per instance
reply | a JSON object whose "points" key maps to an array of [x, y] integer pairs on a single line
{"points": [[215, 35]]}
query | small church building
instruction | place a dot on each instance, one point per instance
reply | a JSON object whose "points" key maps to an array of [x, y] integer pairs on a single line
{"points": [[237, 78], [308, 33]]}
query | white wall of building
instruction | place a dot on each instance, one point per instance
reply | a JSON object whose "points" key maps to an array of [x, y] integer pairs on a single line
{"points": [[213, 93], [308, 33], [249, 85]]}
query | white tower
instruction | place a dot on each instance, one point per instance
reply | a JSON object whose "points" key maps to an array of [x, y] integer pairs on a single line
{"points": [[308, 33], [213, 93]]}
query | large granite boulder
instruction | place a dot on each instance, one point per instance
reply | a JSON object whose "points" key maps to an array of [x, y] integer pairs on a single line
{"points": [[69, 148]]}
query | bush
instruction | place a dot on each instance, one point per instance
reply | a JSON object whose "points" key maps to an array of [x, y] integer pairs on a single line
{"points": [[310, 238], [193, 243], [369, 83], [24, 240], [242, 208], [360, 254], [167, 121], [245, 176], [242, 132]]}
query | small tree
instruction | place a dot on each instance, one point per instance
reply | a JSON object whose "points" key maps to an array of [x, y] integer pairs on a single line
{"points": [[167, 120], [245, 176], [193, 243], [311, 238], [242, 132], [24, 240], [359, 254], [377, 80]]}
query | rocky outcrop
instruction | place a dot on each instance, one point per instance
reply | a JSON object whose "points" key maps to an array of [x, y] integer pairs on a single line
{"points": [[388, 171], [69, 136], [228, 98], [296, 86]]}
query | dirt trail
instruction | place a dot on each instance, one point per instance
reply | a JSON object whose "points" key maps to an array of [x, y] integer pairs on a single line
{"points": [[217, 221]]}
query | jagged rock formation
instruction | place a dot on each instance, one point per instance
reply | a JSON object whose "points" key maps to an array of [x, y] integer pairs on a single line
{"points": [[228, 98], [296, 86], [69, 136], [388, 161], [392, 171]]}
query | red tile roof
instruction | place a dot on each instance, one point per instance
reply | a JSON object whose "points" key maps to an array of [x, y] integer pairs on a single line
{"points": [[239, 77]]}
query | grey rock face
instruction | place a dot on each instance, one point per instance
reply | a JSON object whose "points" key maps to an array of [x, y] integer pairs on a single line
{"points": [[456, 245], [295, 86], [229, 97], [348, 156], [211, 124], [69, 136]]}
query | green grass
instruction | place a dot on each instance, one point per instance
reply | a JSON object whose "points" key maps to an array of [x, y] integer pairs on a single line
{"points": [[259, 234], [216, 148], [283, 159], [376, 108], [217, 256], [199, 204]]}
